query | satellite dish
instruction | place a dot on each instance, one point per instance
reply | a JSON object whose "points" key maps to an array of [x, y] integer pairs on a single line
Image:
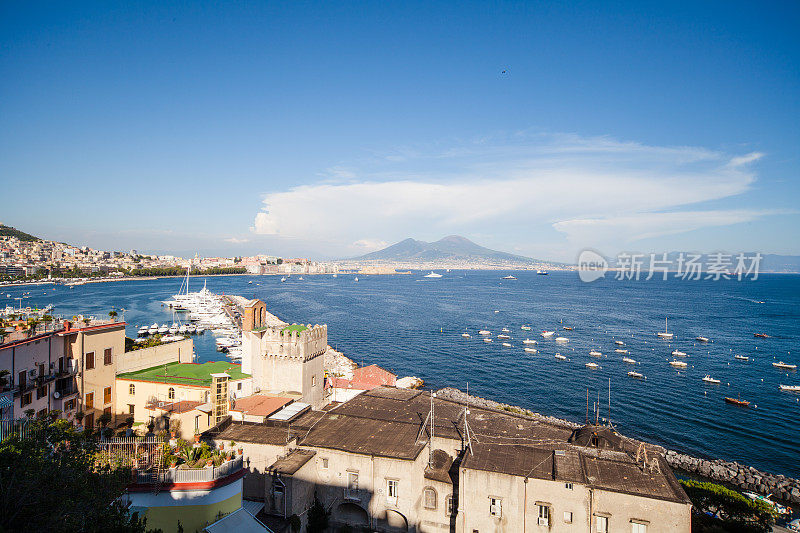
{"points": [[56, 395]]}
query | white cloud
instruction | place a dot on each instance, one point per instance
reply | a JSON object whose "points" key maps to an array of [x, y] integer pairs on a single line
{"points": [[236, 240], [369, 245], [586, 188]]}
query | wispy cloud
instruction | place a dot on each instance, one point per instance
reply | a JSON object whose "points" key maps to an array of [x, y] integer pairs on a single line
{"points": [[586, 188], [237, 240]]}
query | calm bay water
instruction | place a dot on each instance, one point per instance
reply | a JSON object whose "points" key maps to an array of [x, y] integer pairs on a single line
{"points": [[413, 326]]}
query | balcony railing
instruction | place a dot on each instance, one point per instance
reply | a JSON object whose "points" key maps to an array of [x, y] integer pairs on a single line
{"points": [[190, 475]]}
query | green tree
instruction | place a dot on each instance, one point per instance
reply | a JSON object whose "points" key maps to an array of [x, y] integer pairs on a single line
{"points": [[717, 507], [318, 517], [52, 480]]}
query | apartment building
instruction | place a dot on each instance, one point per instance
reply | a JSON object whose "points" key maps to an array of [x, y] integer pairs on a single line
{"points": [[397, 460], [69, 369]]}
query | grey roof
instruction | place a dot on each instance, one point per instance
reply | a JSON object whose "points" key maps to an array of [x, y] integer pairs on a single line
{"points": [[292, 462]]}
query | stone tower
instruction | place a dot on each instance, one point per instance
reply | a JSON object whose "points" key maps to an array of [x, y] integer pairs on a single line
{"points": [[283, 358]]}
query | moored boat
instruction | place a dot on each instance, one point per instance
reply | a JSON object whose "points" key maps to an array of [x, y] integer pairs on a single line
{"points": [[484, 332], [561, 357], [507, 344], [562, 340], [487, 339], [593, 366], [618, 350], [619, 343], [678, 353], [531, 350], [508, 277], [526, 328], [503, 336], [665, 334], [678, 364], [709, 379], [547, 333], [761, 335], [529, 341], [465, 335], [737, 401], [629, 360], [702, 339], [741, 357], [636, 375], [595, 353], [789, 388], [784, 366]]}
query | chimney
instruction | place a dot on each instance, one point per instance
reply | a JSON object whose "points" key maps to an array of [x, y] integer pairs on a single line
{"points": [[67, 325]]}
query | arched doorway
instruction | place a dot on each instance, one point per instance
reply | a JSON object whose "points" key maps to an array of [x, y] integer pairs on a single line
{"points": [[352, 515], [395, 521]]}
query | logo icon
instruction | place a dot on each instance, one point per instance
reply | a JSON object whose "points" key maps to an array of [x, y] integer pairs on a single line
{"points": [[591, 266]]}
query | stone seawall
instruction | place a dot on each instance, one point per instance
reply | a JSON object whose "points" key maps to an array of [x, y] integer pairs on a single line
{"points": [[782, 488]]}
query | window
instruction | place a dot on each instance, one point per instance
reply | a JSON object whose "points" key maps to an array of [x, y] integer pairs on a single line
{"points": [[197, 424], [313, 381], [88, 421], [41, 392], [544, 515], [107, 356], [26, 399], [391, 490], [131, 409], [496, 507], [324, 462], [171, 393], [107, 411], [61, 365], [69, 405], [132, 389], [23, 380], [448, 505], [107, 395], [429, 498], [638, 527], [239, 386], [352, 486], [567, 517], [568, 486], [89, 400], [89, 360], [601, 524]]}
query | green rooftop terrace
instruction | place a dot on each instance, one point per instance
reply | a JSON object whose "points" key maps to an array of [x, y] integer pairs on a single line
{"points": [[186, 373], [295, 327]]}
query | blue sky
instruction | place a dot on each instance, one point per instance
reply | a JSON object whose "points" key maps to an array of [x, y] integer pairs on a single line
{"points": [[330, 129]]}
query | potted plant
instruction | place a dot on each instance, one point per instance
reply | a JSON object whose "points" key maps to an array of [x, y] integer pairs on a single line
{"points": [[241, 451], [210, 461], [221, 446], [197, 437]]}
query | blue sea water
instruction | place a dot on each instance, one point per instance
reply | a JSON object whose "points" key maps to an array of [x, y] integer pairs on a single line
{"points": [[413, 326]]}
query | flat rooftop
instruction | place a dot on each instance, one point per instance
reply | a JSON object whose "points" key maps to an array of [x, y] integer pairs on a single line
{"points": [[198, 375], [260, 404]]}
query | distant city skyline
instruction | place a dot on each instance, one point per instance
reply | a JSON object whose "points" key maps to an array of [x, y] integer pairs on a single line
{"points": [[332, 130]]}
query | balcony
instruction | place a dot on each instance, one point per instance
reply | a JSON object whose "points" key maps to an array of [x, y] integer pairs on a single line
{"points": [[353, 495], [189, 475]]}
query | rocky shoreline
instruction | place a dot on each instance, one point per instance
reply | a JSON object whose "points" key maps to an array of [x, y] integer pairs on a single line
{"points": [[782, 488]]}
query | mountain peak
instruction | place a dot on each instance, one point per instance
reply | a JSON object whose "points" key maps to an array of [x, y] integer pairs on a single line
{"points": [[450, 248]]}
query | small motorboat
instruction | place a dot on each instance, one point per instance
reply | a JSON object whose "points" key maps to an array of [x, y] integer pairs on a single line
{"points": [[506, 330], [678, 364], [163, 329], [531, 350], [593, 366], [629, 360], [789, 388], [702, 339], [140, 340], [250, 282], [541, 272], [153, 329], [595, 353], [173, 329], [562, 340], [183, 329], [503, 336], [678, 353], [283, 279], [432, 275], [547, 334], [507, 344], [526, 328], [529, 341], [300, 278], [191, 328], [567, 328], [508, 277], [561, 357], [709, 379], [620, 351], [741, 357], [465, 335], [636, 375], [737, 401], [484, 332], [487, 339], [784, 366], [619, 343], [761, 335], [142, 331], [355, 278]]}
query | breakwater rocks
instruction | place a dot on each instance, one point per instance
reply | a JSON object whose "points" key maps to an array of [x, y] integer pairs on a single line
{"points": [[744, 477]]}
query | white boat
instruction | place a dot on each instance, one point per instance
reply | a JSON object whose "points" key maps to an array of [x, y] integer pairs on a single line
{"points": [[526, 328], [785, 366], [300, 278], [505, 330], [531, 350], [283, 279], [629, 360], [465, 335], [702, 339], [173, 329], [508, 277], [678, 364], [355, 278], [541, 272], [163, 329], [200, 329], [529, 341], [507, 344], [432, 275], [191, 328], [503, 336], [335, 275], [249, 282], [595, 353], [741, 357], [142, 331], [665, 334], [562, 340], [709, 379], [546, 333], [484, 332], [619, 343], [182, 329], [678, 353], [153, 329], [592, 365], [561, 357], [789, 388], [140, 340], [636, 375], [620, 351], [487, 339]]}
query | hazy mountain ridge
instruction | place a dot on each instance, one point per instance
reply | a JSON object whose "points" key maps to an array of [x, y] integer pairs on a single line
{"points": [[450, 248]]}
